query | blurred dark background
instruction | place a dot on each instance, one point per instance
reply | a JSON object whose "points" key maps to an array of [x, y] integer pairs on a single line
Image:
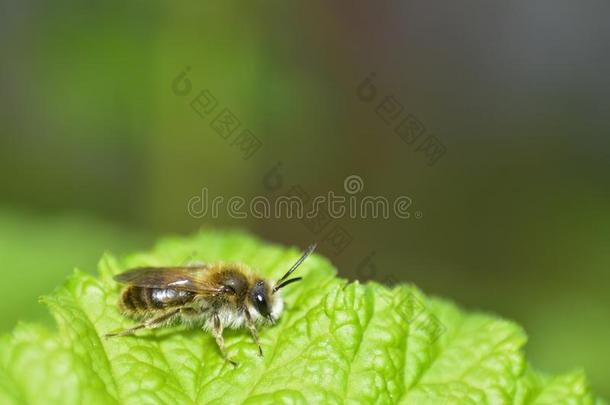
{"points": [[100, 151]]}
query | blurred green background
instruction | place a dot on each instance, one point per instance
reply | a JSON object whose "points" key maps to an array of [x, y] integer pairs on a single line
{"points": [[98, 152]]}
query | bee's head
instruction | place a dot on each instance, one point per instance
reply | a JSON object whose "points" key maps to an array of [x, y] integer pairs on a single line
{"points": [[266, 298], [268, 305]]}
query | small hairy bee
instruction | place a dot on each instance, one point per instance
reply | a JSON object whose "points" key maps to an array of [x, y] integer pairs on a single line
{"points": [[212, 296]]}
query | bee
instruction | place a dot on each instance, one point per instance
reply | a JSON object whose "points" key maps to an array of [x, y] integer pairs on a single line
{"points": [[212, 296]]}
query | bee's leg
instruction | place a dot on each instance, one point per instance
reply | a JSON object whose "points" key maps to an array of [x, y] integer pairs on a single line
{"points": [[217, 332], [149, 324], [252, 326]]}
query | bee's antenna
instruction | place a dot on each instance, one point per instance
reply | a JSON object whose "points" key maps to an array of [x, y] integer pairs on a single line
{"points": [[281, 283], [285, 283]]}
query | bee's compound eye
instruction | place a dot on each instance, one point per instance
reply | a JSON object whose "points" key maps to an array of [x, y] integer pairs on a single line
{"points": [[261, 304], [259, 299]]}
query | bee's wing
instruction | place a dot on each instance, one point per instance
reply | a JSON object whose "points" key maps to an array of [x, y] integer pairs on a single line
{"points": [[190, 278]]}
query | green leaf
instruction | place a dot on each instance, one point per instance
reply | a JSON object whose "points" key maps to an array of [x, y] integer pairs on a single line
{"points": [[337, 342]]}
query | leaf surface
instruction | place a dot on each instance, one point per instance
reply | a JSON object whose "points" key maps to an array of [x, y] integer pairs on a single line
{"points": [[337, 342]]}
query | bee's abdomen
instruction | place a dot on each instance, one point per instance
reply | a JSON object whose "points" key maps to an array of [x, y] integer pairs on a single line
{"points": [[136, 299]]}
